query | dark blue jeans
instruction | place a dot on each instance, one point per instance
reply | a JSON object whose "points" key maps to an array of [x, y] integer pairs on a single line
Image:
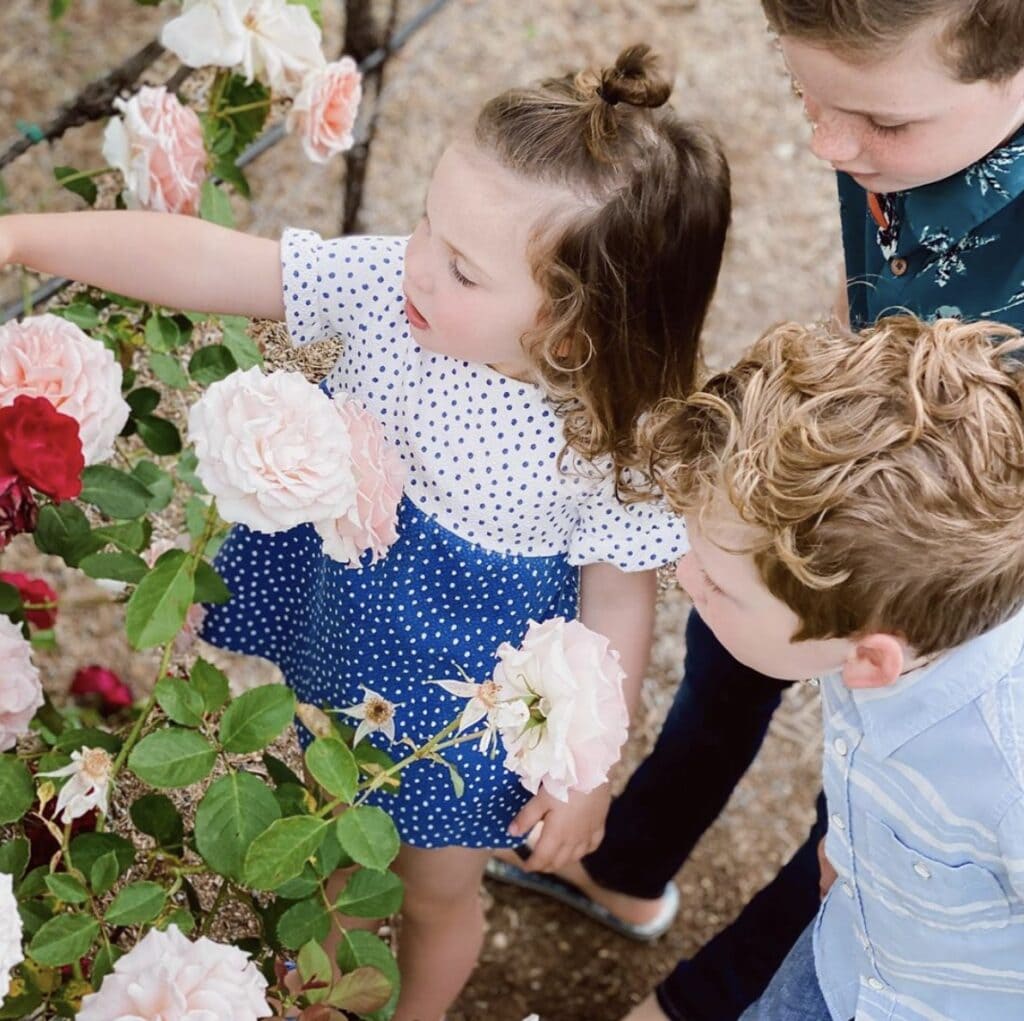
{"points": [[711, 735]]}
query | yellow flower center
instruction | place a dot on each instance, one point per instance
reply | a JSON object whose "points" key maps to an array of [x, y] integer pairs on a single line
{"points": [[96, 764], [379, 710]]}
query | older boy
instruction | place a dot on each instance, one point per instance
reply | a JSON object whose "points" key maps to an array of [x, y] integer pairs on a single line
{"points": [[856, 508], [919, 106]]}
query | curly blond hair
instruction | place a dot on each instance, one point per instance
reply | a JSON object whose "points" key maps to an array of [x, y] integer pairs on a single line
{"points": [[884, 472]]}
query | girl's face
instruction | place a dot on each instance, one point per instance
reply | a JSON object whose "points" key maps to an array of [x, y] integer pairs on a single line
{"points": [[469, 289]]}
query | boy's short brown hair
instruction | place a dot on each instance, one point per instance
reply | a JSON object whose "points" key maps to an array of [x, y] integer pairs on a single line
{"points": [[884, 472], [983, 39]]}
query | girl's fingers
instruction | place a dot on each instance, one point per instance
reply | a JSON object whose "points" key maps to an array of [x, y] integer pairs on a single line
{"points": [[529, 815]]}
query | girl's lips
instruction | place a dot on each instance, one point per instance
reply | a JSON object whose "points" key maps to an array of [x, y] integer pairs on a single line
{"points": [[414, 316]]}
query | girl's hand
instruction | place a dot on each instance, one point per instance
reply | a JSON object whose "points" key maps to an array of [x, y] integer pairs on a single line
{"points": [[571, 829]]}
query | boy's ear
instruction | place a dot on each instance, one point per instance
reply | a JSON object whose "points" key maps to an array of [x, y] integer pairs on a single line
{"points": [[874, 661]]}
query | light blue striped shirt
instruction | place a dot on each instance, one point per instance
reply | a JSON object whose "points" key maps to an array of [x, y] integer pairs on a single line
{"points": [[925, 788]]}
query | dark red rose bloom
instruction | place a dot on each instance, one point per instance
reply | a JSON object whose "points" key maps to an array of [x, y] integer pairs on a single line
{"points": [[33, 590], [41, 841], [19, 511], [42, 447], [104, 686]]}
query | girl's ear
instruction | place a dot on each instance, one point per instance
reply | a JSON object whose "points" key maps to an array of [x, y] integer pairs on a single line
{"points": [[875, 660]]}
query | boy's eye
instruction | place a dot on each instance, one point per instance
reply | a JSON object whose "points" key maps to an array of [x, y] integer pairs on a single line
{"points": [[461, 277]]}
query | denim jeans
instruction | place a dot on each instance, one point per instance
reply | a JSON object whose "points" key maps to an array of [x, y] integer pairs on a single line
{"points": [[712, 733], [794, 993]]}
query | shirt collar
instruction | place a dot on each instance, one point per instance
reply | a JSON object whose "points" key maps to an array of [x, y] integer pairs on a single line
{"points": [[960, 204], [893, 715]]}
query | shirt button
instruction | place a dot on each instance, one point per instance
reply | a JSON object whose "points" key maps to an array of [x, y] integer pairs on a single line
{"points": [[898, 267], [840, 746], [837, 821], [922, 870], [848, 890], [877, 984]]}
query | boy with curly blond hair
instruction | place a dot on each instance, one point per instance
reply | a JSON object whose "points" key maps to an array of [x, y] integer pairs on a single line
{"points": [[855, 506]]}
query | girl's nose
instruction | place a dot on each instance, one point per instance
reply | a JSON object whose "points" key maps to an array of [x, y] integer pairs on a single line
{"points": [[835, 139]]}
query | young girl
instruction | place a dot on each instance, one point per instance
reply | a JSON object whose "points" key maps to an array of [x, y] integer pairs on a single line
{"points": [[553, 292]]}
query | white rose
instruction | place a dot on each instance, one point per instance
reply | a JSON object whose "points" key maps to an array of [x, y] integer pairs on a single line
{"points": [[10, 934], [166, 977], [21, 694], [273, 450]]}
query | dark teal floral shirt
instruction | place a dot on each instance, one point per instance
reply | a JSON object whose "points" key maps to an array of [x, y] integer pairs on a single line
{"points": [[952, 248]]}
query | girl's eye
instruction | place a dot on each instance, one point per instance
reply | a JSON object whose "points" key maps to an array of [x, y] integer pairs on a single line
{"points": [[888, 129], [710, 584], [461, 277]]}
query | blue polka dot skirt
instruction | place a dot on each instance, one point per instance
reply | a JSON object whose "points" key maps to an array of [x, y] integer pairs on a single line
{"points": [[433, 603]]}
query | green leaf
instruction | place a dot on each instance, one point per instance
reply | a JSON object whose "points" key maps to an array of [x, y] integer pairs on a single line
{"points": [[162, 334], [299, 887], [233, 813], [256, 718], [172, 758], [10, 598], [368, 836], [237, 340], [231, 173], [211, 363], [314, 965], [14, 856], [187, 464], [168, 370], [63, 940], [16, 790], [116, 493], [247, 125], [279, 771], [58, 8], [84, 187], [370, 894], [129, 537], [361, 992], [81, 313], [215, 206], [136, 904], [88, 848], [156, 816], [104, 873], [143, 401], [119, 566], [160, 435], [64, 530], [211, 683], [210, 587], [360, 949], [67, 888], [103, 964], [333, 766], [76, 738], [183, 919], [303, 922], [180, 701], [280, 852], [158, 607]]}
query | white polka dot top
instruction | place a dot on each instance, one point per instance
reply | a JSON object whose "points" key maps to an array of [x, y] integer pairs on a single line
{"points": [[480, 450]]}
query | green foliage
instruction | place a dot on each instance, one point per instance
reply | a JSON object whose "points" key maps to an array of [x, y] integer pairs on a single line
{"points": [[157, 608], [256, 718], [16, 790], [233, 813], [172, 758]]}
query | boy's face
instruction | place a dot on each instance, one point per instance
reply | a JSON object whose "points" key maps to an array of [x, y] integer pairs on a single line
{"points": [[905, 120]]}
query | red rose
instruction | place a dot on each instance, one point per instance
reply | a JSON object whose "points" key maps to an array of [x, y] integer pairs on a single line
{"points": [[42, 446], [33, 590], [104, 685], [19, 511]]}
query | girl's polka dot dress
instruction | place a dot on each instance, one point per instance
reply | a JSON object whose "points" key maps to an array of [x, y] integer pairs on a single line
{"points": [[491, 535]]}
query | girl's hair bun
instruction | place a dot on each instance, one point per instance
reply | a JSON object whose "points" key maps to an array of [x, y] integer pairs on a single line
{"points": [[634, 80]]}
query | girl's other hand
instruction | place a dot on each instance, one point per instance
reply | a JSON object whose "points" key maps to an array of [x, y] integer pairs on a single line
{"points": [[570, 829]]}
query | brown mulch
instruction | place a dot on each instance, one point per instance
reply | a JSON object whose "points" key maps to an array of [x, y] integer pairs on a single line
{"points": [[782, 262]]}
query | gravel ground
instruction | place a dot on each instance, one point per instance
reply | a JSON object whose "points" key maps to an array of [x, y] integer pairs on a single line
{"points": [[782, 262]]}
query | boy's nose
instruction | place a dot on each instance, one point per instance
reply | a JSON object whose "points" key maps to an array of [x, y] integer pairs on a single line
{"points": [[835, 139]]}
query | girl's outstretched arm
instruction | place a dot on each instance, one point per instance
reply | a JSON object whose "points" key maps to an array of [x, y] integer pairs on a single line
{"points": [[179, 262]]}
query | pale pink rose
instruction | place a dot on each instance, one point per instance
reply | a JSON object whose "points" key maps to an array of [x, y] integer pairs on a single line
{"points": [[167, 977], [273, 40], [324, 112], [372, 522], [157, 144], [274, 450], [47, 356], [10, 933], [21, 694], [570, 681]]}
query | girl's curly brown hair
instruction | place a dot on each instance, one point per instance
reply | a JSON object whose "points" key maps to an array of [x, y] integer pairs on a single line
{"points": [[628, 272]]}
